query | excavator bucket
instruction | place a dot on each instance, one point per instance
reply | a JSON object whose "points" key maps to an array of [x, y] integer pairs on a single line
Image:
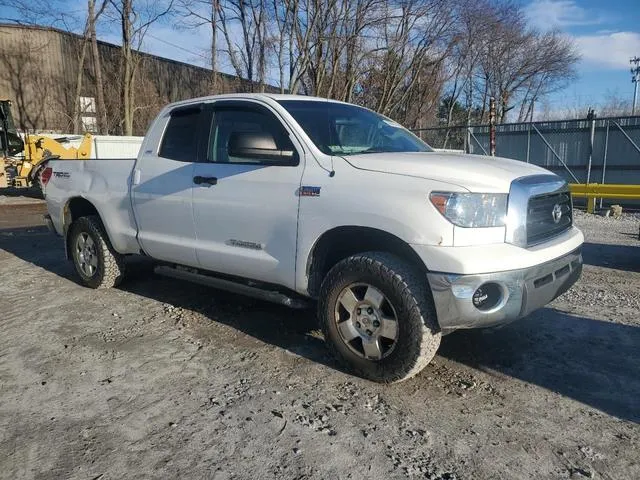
{"points": [[83, 152], [32, 153]]}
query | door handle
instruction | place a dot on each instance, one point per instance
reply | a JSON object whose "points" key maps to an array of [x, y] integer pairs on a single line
{"points": [[198, 180]]}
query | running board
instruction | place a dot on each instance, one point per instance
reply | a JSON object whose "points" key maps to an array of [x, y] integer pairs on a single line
{"points": [[230, 286]]}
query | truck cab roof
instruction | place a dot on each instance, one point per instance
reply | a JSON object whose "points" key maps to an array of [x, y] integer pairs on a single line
{"points": [[253, 96]]}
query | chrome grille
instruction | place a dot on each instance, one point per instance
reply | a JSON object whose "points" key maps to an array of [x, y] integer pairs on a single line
{"points": [[542, 223]]}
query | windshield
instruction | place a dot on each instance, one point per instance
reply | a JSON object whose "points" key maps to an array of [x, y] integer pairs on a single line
{"points": [[343, 129]]}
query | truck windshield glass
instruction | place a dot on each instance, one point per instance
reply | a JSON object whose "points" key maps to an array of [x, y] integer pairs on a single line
{"points": [[342, 129]]}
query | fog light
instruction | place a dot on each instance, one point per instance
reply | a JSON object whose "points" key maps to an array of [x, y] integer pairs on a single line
{"points": [[487, 296]]}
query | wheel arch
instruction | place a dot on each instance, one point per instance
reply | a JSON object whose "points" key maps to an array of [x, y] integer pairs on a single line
{"points": [[340, 242], [75, 208]]}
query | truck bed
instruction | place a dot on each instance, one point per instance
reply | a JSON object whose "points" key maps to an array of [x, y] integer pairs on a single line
{"points": [[104, 146], [105, 183]]}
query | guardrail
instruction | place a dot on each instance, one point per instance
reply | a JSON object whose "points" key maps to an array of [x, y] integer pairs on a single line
{"points": [[591, 191]]}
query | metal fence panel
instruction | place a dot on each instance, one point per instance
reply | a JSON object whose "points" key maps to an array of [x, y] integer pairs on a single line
{"points": [[602, 150]]}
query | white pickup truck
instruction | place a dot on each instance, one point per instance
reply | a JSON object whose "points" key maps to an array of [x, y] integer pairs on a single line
{"points": [[291, 198]]}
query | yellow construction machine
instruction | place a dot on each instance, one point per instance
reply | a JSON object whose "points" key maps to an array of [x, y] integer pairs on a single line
{"points": [[22, 159]]}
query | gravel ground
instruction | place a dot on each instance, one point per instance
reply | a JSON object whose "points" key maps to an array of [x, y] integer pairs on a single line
{"points": [[20, 196], [164, 379]]}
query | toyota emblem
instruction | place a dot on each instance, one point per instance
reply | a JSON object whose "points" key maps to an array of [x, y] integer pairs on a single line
{"points": [[556, 213]]}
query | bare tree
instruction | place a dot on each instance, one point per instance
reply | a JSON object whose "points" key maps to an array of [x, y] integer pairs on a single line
{"points": [[334, 40], [136, 16], [520, 63], [77, 113], [413, 60], [614, 105], [90, 37], [246, 49], [414, 38], [469, 30], [205, 12], [101, 112], [305, 19], [281, 37], [364, 19]]}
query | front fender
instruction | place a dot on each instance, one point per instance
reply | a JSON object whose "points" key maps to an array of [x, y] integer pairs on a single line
{"points": [[395, 204]]}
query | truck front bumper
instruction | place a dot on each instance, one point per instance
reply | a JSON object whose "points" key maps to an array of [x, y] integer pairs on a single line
{"points": [[503, 296]]}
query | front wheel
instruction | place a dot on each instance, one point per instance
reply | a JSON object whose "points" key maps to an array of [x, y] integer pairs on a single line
{"points": [[378, 317], [96, 262]]}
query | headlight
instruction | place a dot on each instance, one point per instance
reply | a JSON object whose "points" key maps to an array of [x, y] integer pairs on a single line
{"points": [[471, 210]]}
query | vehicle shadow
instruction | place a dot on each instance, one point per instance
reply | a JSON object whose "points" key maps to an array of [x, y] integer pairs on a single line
{"points": [[294, 330], [620, 257], [592, 361], [31, 192], [38, 246]]}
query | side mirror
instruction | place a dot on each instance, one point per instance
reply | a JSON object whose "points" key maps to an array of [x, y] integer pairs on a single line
{"points": [[258, 146]]}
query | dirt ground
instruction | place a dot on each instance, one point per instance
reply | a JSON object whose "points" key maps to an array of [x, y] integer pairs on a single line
{"points": [[164, 379]]}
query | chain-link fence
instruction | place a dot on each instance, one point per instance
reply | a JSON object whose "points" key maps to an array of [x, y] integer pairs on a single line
{"points": [[602, 150], [452, 138]]}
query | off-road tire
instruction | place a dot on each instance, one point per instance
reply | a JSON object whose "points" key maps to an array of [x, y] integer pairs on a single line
{"points": [[111, 266], [407, 290]]}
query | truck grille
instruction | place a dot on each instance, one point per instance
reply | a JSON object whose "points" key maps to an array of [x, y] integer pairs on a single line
{"points": [[547, 216]]}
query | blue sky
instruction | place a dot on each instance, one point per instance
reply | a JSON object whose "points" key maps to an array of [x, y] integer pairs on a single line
{"points": [[606, 34]]}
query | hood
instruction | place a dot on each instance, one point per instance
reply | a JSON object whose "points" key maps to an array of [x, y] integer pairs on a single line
{"points": [[475, 173]]}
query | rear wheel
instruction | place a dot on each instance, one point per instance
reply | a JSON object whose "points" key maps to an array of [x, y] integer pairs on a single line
{"points": [[378, 317], [96, 262]]}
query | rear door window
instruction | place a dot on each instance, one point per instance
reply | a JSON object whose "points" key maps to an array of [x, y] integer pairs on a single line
{"points": [[180, 140]]}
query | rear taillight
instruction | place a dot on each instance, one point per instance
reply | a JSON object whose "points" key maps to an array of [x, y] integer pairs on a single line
{"points": [[46, 175]]}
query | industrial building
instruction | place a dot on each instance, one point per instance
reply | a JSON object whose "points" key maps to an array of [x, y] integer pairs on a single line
{"points": [[39, 73]]}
